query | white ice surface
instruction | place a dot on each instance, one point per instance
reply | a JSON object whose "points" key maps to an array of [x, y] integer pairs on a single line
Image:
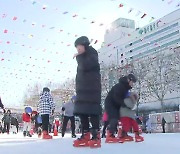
{"points": [[153, 144]]}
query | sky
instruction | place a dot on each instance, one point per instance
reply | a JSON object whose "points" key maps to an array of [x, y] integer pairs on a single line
{"points": [[37, 37]]}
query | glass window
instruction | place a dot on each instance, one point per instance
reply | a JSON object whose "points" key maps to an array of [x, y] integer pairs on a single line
{"points": [[153, 34], [157, 40], [157, 48]]}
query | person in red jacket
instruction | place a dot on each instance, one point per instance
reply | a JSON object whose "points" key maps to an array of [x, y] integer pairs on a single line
{"points": [[27, 124]]}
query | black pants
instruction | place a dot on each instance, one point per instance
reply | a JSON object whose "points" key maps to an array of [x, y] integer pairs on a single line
{"points": [[17, 128], [45, 122], [6, 127], [37, 125], [106, 123], [85, 119], [65, 121], [163, 127]]}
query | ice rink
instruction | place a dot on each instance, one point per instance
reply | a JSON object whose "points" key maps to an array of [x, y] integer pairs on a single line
{"points": [[153, 144]]}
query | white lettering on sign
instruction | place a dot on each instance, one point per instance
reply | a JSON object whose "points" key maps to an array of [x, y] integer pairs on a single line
{"points": [[149, 28]]}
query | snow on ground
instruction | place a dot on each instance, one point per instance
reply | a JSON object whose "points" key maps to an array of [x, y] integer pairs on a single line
{"points": [[153, 144]]}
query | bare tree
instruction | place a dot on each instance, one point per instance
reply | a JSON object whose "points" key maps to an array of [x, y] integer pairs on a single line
{"points": [[140, 69], [160, 78]]}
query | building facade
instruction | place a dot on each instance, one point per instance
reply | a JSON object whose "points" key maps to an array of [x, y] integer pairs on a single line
{"points": [[124, 44]]}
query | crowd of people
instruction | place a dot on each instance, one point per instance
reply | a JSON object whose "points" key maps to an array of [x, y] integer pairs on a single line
{"points": [[119, 116]]}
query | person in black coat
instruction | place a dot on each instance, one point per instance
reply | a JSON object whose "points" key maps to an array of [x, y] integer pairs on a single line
{"points": [[88, 89], [163, 125], [115, 100]]}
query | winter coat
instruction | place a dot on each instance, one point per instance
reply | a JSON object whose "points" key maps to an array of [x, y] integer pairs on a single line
{"points": [[128, 111], [163, 121], [14, 121], [26, 117], [7, 118], [1, 105], [88, 83], [46, 104], [68, 109], [115, 98]]}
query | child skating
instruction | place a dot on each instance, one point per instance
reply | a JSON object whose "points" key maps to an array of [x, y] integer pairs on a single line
{"points": [[114, 101], [128, 121], [46, 107], [26, 118]]}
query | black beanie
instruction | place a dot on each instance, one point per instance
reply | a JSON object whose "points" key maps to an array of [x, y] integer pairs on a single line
{"points": [[83, 40], [46, 89], [132, 77]]}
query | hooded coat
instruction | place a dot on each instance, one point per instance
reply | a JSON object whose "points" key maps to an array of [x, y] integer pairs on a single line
{"points": [[115, 98], [88, 83], [128, 110], [46, 104]]}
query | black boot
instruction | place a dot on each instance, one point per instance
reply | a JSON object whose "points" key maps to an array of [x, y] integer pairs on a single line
{"points": [[62, 134], [24, 133], [73, 136], [103, 136], [29, 135]]}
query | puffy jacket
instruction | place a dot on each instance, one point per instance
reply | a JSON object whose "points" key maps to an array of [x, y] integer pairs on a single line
{"points": [[26, 117], [46, 104], [128, 110]]}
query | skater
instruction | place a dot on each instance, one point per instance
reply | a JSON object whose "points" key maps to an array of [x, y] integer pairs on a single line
{"points": [[68, 109], [128, 121], [148, 126], [106, 123], [37, 121], [26, 118], [7, 121], [113, 102], [163, 125], [45, 107], [15, 123], [88, 90]]}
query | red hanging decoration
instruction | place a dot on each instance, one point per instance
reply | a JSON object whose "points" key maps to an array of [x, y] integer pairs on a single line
{"points": [[14, 18], [5, 31], [121, 5]]}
